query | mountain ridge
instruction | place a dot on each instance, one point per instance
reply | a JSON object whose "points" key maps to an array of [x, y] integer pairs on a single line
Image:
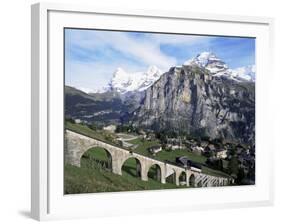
{"points": [[123, 82], [202, 97], [190, 99], [217, 67]]}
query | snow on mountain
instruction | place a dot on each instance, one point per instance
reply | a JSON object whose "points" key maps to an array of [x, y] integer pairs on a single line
{"points": [[124, 82], [245, 73], [83, 89], [88, 90], [217, 67], [209, 61]]}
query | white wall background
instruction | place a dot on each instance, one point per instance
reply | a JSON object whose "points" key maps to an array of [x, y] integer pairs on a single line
{"points": [[15, 110]]}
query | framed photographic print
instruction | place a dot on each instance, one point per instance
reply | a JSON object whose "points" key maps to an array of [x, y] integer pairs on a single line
{"points": [[165, 111]]}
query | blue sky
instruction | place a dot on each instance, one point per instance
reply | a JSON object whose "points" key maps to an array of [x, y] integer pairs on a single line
{"points": [[92, 56]]}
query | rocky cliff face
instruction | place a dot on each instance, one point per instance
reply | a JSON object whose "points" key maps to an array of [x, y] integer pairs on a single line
{"points": [[189, 99]]}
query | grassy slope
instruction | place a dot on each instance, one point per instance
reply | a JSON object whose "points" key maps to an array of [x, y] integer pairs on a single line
{"points": [[166, 155], [85, 130]]}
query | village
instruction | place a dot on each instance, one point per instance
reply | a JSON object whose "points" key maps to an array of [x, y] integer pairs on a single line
{"points": [[213, 155]]}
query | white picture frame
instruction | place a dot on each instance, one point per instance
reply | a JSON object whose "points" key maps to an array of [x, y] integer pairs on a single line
{"points": [[47, 198]]}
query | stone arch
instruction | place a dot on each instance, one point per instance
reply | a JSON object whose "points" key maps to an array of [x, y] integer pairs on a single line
{"points": [[182, 178], [132, 166], [97, 156], [200, 183], [154, 172], [172, 178], [225, 182], [205, 182], [216, 183], [191, 180], [210, 182]]}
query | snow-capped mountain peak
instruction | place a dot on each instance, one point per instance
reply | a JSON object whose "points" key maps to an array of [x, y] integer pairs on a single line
{"points": [[202, 59], [219, 68], [153, 71], [124, 82], [209, 61]]}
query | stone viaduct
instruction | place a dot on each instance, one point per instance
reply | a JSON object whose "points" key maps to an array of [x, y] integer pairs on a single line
{"points": [[76, 145]]}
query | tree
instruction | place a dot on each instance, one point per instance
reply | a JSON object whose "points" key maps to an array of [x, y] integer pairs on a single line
{"points": [[109, 138], [161, 136], [240, 176], [232, 151], [233, 166], [209, 154], [220, 164], [122, 128], [69, 119], [93, 126]]}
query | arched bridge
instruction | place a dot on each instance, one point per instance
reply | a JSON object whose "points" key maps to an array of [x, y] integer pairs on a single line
{"points": [[76, 145]]}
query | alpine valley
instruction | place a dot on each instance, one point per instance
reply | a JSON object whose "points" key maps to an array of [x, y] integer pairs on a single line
{"points": [[203, 98]]}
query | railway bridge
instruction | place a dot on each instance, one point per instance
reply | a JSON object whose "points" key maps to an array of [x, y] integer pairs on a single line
{"points": [[77, 144]]}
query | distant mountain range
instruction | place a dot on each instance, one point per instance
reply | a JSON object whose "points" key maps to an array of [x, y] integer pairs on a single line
{"points": [[124, 82], [203, 97], [102, 108]]}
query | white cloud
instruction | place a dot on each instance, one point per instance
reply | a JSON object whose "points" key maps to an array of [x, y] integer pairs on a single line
{"points": [[140, 51], [181, 40], [93, 76], [145, 50], [148, 52]]}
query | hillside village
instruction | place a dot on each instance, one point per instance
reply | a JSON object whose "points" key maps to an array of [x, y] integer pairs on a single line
{"points": [[228, 158]]}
